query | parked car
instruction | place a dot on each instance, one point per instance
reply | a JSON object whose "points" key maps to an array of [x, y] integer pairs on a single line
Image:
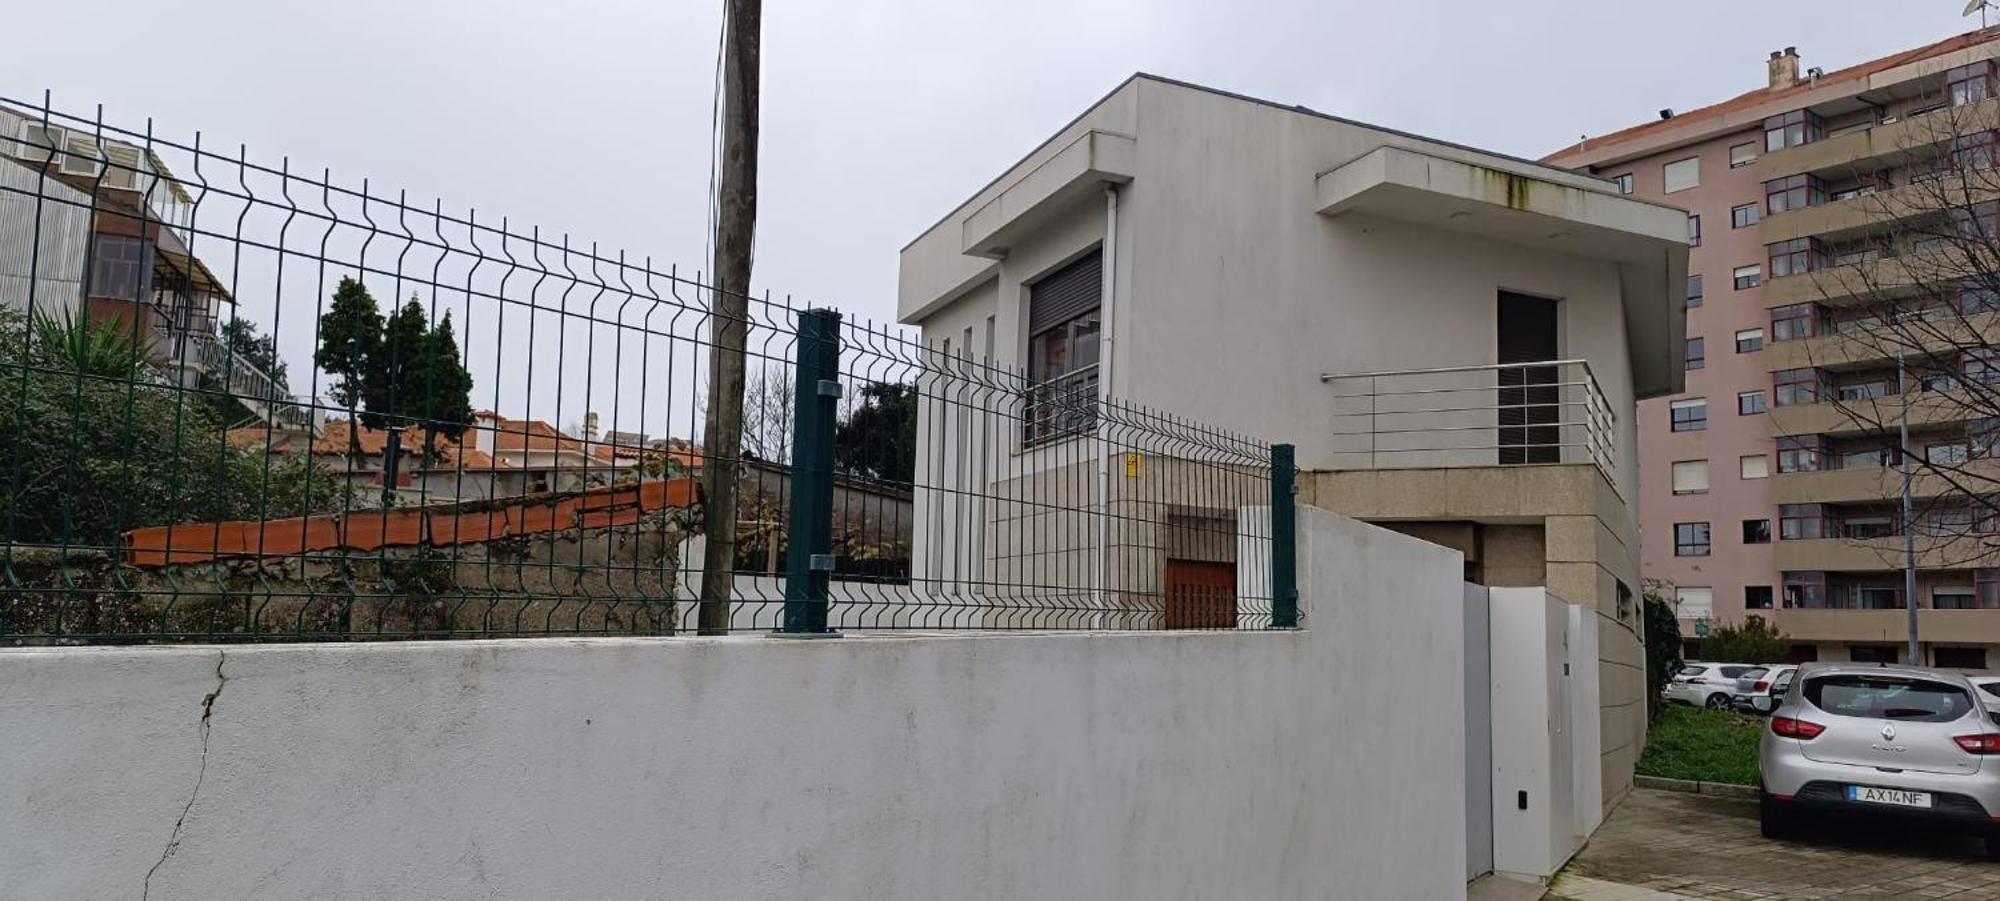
{"points": [[1989, 690], [1884, 742], [1710, 685], [1759, 689]]}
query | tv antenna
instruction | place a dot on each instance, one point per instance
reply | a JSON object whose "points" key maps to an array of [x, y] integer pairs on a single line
{"points": [[1979, 6]]}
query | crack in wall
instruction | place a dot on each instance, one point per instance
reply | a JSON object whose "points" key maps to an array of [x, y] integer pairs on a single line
{"points": [[201, 773]]}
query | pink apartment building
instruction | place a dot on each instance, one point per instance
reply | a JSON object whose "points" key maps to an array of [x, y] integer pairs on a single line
{"points": [[1758, 499]]}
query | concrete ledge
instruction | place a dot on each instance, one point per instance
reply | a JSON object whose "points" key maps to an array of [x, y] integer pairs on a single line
{"points": [[1689, 786]]}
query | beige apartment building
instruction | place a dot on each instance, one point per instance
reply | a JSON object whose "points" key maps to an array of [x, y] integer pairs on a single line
{"points": [[1827, 209], [1454, 340]]}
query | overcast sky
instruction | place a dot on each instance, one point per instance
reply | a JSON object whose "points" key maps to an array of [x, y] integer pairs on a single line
{"points": [[593, 117]]}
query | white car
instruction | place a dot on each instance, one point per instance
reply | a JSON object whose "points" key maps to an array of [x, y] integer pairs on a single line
{"points": [[1761, 689], [1710, 685], [1988, 689]]}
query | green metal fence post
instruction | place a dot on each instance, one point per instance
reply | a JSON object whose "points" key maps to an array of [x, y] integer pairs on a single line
{"points": [[809, 549], [1284, 538]]}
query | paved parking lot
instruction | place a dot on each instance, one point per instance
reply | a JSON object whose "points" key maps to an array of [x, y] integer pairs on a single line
{"points": [[1660, 845]]}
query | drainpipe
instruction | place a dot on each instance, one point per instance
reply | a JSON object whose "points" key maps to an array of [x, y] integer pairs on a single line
{"points": [[1104, 330]]}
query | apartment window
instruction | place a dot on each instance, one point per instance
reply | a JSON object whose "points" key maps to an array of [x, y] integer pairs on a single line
{"points": [[1790, 130], [1986, 588], [80, 155], [1863, 391], [1697, 353], [1756, 531], [1756, 597], [1624, 183], [1954, 597], [1694, 603], [1741, 155], [1794, 193], [1874, 653], [1802, 454], [1694, 231], [1749, 403], [1797, 387], [1743, 216], [1748, 277], [1958, 658], [1981, 365], [1973, 152], [1805, 589], [39, 143], [1689, 415], [1974, 297], [120, 268], [1969, 84], [1691, 477], [1694, 291], [1951, 453], [1749, 340], [1753, 466], [1872, 598], [1794, 322], [1681, 175], [1690, 539], [1803, 522], [1795, 257], [1063, 321], [122, 169], [1976, 222]]}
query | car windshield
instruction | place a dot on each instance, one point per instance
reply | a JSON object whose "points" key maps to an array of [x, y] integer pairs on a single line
{"points": [[1755, 672], [1690, 671], [1888, 697]]}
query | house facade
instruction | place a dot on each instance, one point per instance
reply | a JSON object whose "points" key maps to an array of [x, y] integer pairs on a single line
{"points": [[1771, 483], [1454, 340]]}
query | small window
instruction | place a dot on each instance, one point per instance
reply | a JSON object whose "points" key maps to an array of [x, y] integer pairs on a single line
{"points": [[1693, 602], [1689, 415], [120, 268], [1969, 84], [1749, 340], [1975, 297], [1748, 277], [1792, 193], [1794, 257], [1756, 597], [1753, 466], [1749, 403], [1681, 175], [1742, 155], [1697, 353], [123, 167], [1874, 653], [1690, 539], [1794, 321], [1797, 387], [1958, 658], [1691, 477], [1743, 216], [1954, 597], [1756, 531], [39, 143], [1694, 291], [80, 155], [1805, 589], [1694, 231], [1624, 183], [1790, 130]]}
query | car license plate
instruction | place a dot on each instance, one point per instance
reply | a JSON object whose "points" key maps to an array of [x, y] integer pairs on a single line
{"points": [[1894, 797]]}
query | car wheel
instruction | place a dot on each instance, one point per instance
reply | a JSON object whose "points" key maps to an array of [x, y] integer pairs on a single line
{"points": [[1718, 701], [1775, 821]]}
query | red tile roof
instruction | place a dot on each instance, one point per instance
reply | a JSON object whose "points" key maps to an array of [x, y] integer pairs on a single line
{"points": [[1764, 95]]}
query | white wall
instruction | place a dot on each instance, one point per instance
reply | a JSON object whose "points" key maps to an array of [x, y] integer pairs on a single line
{"points": [[1141, 765], [1538, 672]]}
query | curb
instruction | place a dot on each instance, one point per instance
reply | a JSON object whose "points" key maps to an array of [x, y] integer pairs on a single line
{"points": [[1689, 786]]}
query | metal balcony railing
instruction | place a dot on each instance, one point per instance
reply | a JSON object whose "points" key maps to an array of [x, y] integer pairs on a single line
{"points": [[1496, 414]]}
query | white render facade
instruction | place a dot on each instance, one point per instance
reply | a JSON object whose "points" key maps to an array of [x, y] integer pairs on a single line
{"points": [[1252, 248]]}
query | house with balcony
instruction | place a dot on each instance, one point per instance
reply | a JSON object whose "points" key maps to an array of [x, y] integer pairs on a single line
{"points": [[96, 227], [1855, 292], [1453, 339]]}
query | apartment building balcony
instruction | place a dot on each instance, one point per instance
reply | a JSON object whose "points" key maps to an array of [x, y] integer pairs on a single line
{"points": [[1879, 145], [1853, 217], [1874, 554], [1861, 345], [1885, 626], [1863, 282], [1859, 417], [1876, 484]]}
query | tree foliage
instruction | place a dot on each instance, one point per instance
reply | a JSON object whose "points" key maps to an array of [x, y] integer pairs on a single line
{"points": [[1753, 641], [349, 332], [878, 439], [394, 372], [1663, 645], [241, 336]]}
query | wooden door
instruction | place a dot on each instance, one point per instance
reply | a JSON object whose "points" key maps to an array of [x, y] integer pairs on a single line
{"points": [[1200, 595]]}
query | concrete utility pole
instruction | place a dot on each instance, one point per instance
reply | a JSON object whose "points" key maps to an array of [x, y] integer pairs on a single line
{"points": [[1909, 521], [735, 226]]}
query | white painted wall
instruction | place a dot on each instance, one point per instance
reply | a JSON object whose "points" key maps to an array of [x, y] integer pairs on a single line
{"points": [[1142, 765]]}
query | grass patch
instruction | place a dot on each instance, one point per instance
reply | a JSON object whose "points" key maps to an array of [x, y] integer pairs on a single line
{"points": [[1703, 745]]}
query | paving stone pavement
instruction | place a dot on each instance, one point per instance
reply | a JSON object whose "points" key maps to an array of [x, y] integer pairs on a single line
{"points": [[1665, 846]]}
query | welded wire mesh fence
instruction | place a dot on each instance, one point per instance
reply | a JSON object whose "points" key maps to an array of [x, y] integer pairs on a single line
{"points": [[240, 400]]}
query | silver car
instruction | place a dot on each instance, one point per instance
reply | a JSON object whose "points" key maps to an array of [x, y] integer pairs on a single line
{"points": [[1881, 741], [1759, 689]]}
